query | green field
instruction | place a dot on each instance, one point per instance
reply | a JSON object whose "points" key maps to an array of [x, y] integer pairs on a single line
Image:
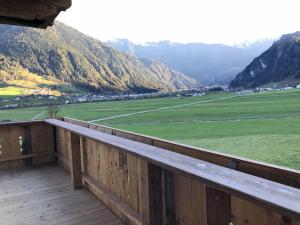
{"points": [[263, 127]]}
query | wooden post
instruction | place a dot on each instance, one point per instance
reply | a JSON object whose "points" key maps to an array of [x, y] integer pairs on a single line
{"points": [[54, 132], [82, 155], [169, 198], [218, 207], [152, 194], [75, 160], [155, 195]]}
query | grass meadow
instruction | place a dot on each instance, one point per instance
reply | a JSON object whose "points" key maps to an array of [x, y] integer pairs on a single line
{"points": [[262, 126]]}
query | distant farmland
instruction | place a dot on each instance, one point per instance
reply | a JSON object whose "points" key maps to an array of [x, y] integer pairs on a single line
{"points": [[264, 127]]}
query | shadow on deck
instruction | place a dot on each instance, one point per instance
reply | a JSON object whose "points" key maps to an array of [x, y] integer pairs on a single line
{"points": [[44, 195]]}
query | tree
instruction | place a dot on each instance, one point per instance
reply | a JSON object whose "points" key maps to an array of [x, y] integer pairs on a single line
{"points": [[53, 111]]}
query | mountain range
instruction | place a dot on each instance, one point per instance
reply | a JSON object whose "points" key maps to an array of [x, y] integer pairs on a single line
{"points": [[209, 64], [69, 58], [61, 59], [279, 65]]}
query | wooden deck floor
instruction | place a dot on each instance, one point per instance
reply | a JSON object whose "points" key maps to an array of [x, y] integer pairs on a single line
{"points": [[43, 195]]}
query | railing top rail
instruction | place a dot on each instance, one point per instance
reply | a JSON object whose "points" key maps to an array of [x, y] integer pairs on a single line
{"points": [[278, 196], [20, 122]]}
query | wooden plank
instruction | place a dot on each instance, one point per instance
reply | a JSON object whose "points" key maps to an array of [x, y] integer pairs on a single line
{"points": [[42, 141], [141, 187], [169, 212], [116, 171], [36, 13], [218, 208], [28, 156], [82, 153], [63, 145], [245, 212], [62, 4], [144, 192], [15, 149], [25, 12], [275, 173], [43, 195], [62, 162], [150, 195], [155, 195], [130, 136], [190, 201], [27, 144], [24, 144], [20, 123], [132, 180], [120, 208], [75, 161], [261, 191]]}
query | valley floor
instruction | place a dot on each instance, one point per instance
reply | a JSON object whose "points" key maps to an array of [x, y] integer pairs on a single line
{"points": [[263, 126]]}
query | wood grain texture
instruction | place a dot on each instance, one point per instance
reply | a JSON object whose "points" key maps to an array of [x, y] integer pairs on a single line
{"points": [[190, 201], [140, 183], [275, 173], [63, 147], [44, 195], [169, 205], [42, 141], [155, 195], [120, 208], [36, 146], [75, 159], [246, 213], [144, 208], [117, 172], [267, 193], [35, 13], [218, 207]]}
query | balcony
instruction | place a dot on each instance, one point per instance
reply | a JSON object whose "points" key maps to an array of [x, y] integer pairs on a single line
{"points": [[44, 195], [72, 172]]}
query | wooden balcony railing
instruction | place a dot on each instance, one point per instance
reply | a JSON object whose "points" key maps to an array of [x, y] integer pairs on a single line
{"points": [[144, 183], [268, 171], [25, 143]]}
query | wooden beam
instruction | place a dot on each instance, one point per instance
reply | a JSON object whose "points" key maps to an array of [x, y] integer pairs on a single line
{"points": [[62, 4], [169, 198], [29, 156], [155, 195], [33, 13], [120, 208], [19, 123], [75, 159], [82, 153], [26, 11]]}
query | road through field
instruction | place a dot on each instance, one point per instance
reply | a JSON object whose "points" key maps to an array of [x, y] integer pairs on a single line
{"points": [[160, 109], [38, 115]]}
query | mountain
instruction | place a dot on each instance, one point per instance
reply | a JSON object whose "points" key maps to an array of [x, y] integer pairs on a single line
{"points": [[210, 64], [169, 76], [258, 46], [280, 64], [70, 58]]}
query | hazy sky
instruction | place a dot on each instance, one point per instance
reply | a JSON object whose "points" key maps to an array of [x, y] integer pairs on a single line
{"points": [[209, 21]]}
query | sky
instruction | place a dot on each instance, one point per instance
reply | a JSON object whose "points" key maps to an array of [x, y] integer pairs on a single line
{"points": [[208, 21]]}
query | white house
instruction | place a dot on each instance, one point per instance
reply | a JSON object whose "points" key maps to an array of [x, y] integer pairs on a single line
{"points": [[298, 86]]}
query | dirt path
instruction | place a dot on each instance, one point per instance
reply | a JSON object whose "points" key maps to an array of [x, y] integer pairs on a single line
{"points": [[160, 109], [38, 115]]}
